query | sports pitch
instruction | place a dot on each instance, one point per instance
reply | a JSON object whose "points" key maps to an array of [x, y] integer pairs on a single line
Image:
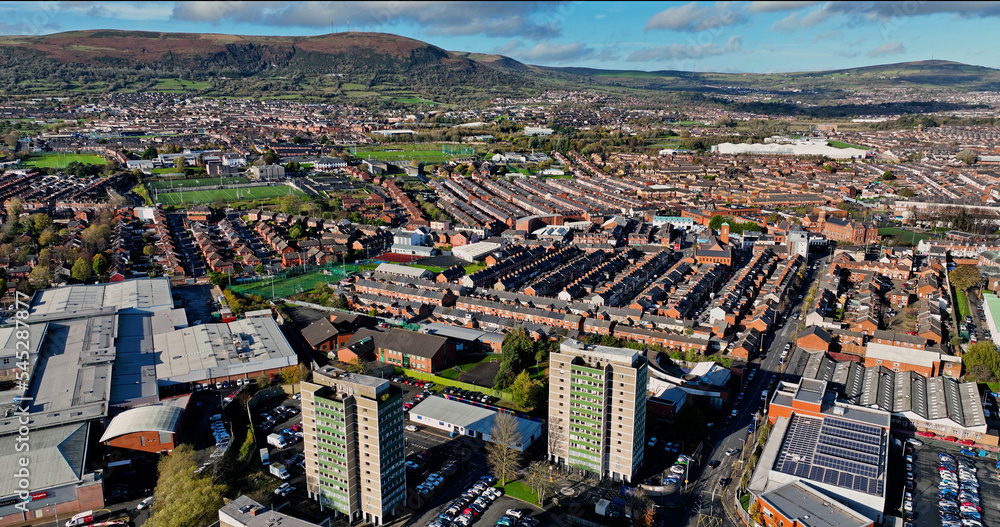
{"points": [[200, 182], [228, 194], [60, 160]]}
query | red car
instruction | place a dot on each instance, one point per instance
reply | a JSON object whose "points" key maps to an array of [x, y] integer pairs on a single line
{"points": [[925, 434], [966, 442], [949, 439]]}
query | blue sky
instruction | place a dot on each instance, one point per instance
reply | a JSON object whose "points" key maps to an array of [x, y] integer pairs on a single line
{"points": [[761, 36]]}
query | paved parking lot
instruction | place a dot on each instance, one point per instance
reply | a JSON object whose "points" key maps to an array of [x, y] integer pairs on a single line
{"points": [[925, 493]]}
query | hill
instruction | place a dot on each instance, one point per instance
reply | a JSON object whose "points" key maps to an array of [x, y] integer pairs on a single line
{"points": [[378, 68]]}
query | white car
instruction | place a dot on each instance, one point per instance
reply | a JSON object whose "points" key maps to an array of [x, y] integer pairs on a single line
{"points": [[284, 489], [514, 513], [411, 428], [677, 469], [144, 504]]}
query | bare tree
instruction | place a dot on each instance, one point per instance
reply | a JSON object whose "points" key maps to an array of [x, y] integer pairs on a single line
{"points": [[501, 452], [540, 479]]}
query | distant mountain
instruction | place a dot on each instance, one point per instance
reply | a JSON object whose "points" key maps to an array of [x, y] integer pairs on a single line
{"points": [[374, 68]]}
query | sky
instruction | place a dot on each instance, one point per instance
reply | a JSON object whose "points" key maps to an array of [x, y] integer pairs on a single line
{"points": [[747, 37]]}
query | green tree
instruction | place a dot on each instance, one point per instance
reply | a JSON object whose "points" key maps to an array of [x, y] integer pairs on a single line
{"points": [[969, 157], [100, 263], [259, 269], [41, 221], [355, 366], [179, 162], [888, 176], [40, 277], [965, 277], [982, 359], [527, 393], [14, 208], [47, 238], [505, 376], [184, 498], [290, 204], [148, 250], [263, 381], [517, 349], [248, 447], [82, 270], [296, 231], [150, 153], [269, 157]]}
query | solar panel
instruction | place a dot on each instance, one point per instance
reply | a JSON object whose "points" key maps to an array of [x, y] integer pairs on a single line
{"points": [[847, 453], [831, 476], [838, 423], [858, 469], [845, 480], [802, 470], [860, 484], [816, 473], [853, 435]]}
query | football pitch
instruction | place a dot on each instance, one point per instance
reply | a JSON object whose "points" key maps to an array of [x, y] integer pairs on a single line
{"points": [[228, 194], [201, 182]]}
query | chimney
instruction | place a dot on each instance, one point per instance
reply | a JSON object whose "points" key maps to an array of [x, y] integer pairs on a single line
{"points": [[724, 233]]}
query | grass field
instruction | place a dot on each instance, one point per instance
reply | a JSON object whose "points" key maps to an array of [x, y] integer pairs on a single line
{"points": [[521, 491], [288, 286], [414, 100], [963, 304], [60, 160], [208, 196], [905, 236], [423, 152], [200, 182], [841, 144], [178, 85], [430, 268]]}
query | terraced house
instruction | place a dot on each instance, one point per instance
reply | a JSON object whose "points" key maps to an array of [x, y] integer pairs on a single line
{"points": [[353, 431], [597, 409]]}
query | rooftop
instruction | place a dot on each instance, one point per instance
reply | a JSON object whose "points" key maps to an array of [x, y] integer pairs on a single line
{"points": [[470, 417], [609, 353], [809, 507], [155, 418], [56, 457], [246, 512]]}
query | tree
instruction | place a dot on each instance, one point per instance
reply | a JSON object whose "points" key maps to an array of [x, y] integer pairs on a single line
{"points": [[148, 250], [179, 162], [982, 357], [964, 277], [14, 208], [41, 221], [259, 269], [11, 138], [338, 302], [100, 263], [150, 153], [527, 393], [269, 157], [969, 157], [517, 349], [263, 381], [47, 238], [888, 176], [356, 366], [82, 270], [643, 509], [540, 479], [297, 139], [290, 204], [505, 376], [40, 277], [502, 453], [219, 202], [183, 497]]}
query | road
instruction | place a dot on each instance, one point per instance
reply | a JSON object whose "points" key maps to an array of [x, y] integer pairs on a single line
{"points": [[705, 494]]}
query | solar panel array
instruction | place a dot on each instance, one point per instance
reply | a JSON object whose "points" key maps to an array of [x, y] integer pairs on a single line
{"points": [[834, 451]]}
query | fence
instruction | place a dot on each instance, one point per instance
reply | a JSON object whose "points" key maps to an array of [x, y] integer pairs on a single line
{"points": [[424, 376]]}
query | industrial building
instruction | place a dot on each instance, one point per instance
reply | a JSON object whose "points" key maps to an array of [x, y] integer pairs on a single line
{"points": [[245, 512], [597, 409], [838, 448], [152, 428], [353, 433], [470, 420]]}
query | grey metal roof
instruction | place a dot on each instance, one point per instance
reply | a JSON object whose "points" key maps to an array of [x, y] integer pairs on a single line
{"points": [[56, 457], [156, 417], [809, 507], [469, 417], [245, 512]]}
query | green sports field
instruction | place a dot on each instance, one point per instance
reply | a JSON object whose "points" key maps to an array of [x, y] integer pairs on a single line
{"points": [[199, 182], [423, 152], [59, 160], [208, 196]]}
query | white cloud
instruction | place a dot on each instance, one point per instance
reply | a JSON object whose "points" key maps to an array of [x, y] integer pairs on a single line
{"points": [[532, 20], [686, 52], [796, 20], [695, 17], [556, 53], [119, 10], [829, 35], [768, 6], [889, 48]]}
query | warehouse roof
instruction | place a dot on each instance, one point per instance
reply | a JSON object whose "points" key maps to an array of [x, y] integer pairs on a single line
{"points": [[152, 418]]}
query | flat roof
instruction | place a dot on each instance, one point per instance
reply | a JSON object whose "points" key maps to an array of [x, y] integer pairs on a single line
{"points": [[469, 417], [208, 350], [800, 503], [610, 353], [145, 294], [244, 511], [456, 332], [890, 353]]}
